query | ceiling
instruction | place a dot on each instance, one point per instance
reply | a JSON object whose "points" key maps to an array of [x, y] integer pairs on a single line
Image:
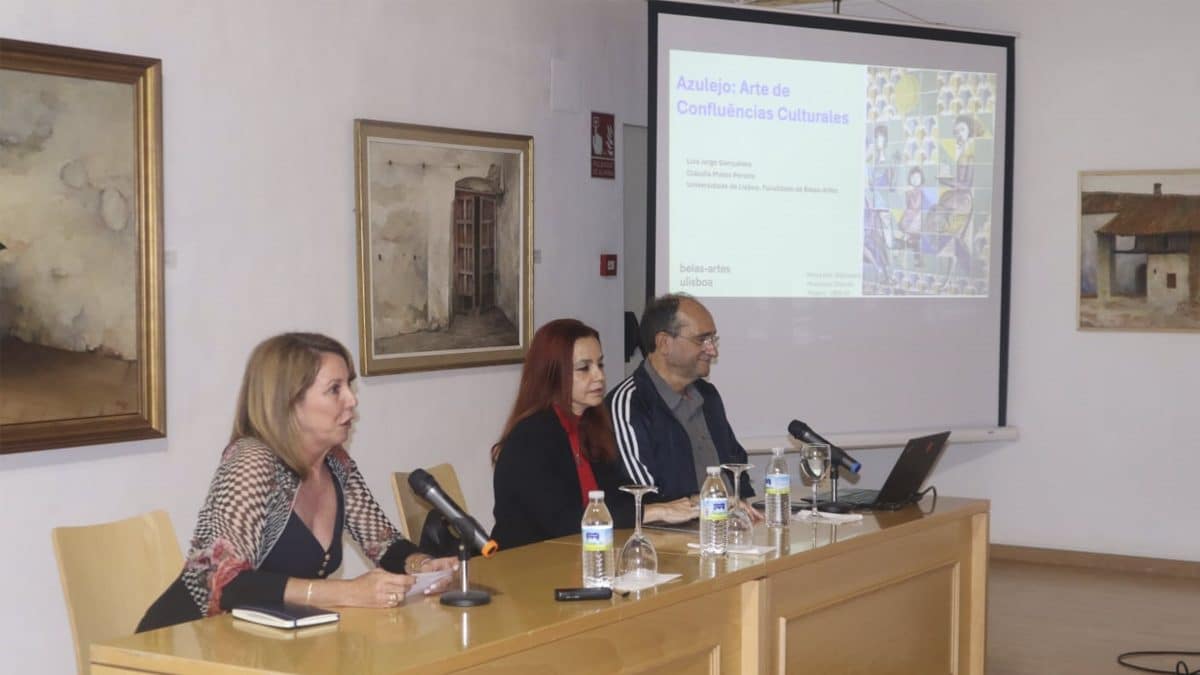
{"points": [[848, 7], [791, 4], [778, 3]]}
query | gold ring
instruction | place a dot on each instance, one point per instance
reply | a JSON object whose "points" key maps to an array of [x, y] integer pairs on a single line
{"points": [[393, 599]]}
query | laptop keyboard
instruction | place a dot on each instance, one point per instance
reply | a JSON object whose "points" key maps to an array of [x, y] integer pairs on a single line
{"points": [[854, 496], [849, 496], [858, 496]]}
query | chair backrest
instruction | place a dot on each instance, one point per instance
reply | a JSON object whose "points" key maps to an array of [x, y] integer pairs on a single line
{"points": [[413, 509], [112, 572]]}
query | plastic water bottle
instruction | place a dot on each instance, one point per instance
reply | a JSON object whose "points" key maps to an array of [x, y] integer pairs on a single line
{"points": [[779, 490], [597, 526], [714, 513]]}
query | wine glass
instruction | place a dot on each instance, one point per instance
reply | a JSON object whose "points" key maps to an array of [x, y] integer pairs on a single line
{"points": [[814, 461], [740, 526], [638, 562]]}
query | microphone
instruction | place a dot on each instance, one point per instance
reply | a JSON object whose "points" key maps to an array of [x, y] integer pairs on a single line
{"points": [[837, 455], [472, 532]]}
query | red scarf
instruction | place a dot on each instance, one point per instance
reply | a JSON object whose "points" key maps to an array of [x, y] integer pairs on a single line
{"points": [[587, 479]]}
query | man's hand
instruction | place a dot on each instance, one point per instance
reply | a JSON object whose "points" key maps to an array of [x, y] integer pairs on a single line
{"points": [[679, 511], [756, 516]]}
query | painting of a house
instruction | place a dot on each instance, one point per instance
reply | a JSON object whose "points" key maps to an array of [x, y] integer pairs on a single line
{"points": [[1140, 251], [445, 229]]}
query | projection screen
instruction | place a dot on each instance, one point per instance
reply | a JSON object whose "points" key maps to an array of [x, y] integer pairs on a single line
{"points": [[837, 193]]}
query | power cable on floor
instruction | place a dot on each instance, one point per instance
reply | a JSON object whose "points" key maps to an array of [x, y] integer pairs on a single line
{"points": [[1181, 666]]}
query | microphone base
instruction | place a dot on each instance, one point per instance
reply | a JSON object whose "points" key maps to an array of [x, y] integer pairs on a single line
{"points": [[468, 598], [835, 507]]}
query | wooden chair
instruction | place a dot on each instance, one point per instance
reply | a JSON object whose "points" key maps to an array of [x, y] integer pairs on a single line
{"points": [[413, 509], [110, 574]]}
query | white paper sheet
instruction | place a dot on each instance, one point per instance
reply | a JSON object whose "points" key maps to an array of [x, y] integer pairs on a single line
{"points": [[622, 584], [807, 517], [425, 580]]}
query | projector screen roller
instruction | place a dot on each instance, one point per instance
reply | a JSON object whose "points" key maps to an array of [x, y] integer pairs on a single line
{"points": [[835, 192]]}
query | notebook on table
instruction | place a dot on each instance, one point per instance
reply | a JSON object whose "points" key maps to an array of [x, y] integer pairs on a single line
{"points": [[284, 633], [284, 615], [904, 482]]}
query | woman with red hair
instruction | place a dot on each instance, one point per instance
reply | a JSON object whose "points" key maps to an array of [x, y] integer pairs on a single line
{"points": [[558, 444]]}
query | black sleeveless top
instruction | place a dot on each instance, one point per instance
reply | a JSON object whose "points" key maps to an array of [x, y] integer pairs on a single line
{"points": [[297, 553]]}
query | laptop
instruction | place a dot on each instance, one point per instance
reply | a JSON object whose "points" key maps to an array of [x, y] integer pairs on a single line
{"points": [[904, 482]]}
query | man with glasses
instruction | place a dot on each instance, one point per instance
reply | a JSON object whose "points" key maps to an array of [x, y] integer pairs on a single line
{"points": [[669, 421]]}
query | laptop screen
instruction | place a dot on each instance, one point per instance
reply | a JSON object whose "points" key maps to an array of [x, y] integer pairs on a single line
{"points": [[912, 468]]}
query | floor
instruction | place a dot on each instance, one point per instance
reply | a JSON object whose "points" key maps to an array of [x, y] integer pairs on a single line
{"points": [[1054, 620], [489, 328]]}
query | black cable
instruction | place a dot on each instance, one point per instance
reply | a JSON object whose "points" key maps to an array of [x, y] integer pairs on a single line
{"points": [[1181, 667], [921, 494], [897, 9], [896, 506]]}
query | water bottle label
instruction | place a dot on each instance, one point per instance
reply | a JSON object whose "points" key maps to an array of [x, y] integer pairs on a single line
{"points": [[597, 538], [714, 508], [779, 484]]}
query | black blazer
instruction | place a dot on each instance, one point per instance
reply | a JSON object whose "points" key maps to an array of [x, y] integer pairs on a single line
{"points": [[655, 447], [536, 485]]}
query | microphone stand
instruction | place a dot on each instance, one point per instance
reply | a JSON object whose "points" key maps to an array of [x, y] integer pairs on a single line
{"points": [[465, 596], [833, 505]]}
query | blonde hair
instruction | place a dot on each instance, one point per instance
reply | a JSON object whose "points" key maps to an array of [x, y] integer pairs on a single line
{"points": [[278, 373]]}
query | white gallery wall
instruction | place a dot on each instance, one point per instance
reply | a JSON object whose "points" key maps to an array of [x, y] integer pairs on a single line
{"points": [[259, 103], [259, 99], [1109, 449]]}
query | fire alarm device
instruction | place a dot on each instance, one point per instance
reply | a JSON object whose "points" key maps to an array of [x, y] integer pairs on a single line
{"points": [[608, 264]]}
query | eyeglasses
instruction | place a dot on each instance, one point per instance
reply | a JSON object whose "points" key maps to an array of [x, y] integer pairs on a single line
{"points": [[701, 340]]}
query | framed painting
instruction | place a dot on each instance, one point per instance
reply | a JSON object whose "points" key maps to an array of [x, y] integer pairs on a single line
{"points": [[81, 288], [1139, 250], [445, 247]]}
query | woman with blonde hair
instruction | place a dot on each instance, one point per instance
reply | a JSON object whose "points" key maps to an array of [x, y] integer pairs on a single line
{"points": [[283, 495]]}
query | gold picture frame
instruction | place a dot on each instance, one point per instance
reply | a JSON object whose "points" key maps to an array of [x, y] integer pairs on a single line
{"points": [[1139, 250], [81, 277], [445, 246]]}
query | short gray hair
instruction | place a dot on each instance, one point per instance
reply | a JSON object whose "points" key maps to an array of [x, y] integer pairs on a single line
{"points": [[660, 316]]}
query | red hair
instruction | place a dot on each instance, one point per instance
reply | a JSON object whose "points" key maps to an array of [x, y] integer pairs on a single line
{"points": [[546, 380]]}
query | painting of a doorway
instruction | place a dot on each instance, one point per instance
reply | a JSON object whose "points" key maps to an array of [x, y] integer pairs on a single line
{"points": [[445, 229], [1139, 250]]}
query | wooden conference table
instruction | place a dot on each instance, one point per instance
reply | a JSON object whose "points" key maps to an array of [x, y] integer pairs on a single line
{"points": [[899, 592]]}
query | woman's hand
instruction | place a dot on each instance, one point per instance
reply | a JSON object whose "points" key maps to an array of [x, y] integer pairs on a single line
{"points": [[377, 588], [679, 511], [427, 564]]}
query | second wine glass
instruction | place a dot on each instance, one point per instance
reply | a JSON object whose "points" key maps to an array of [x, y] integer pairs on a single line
{"points": [[638, 562], [740, 530]]}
